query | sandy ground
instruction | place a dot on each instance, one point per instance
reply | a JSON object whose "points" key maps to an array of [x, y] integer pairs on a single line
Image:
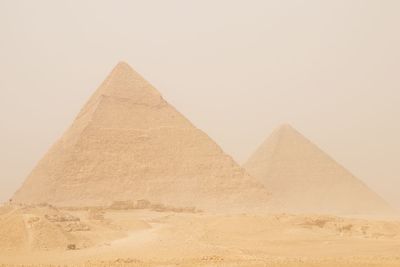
{"points": [[41, 235]]}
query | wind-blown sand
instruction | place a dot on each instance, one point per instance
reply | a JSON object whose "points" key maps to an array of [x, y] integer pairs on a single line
{"points": [[140, 237]]}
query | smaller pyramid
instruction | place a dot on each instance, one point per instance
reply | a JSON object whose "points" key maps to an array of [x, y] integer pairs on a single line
{"points": [[304, 179]]}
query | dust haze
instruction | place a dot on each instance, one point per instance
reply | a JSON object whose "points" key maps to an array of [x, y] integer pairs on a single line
{"points": [[236, 69], [201, 133]]}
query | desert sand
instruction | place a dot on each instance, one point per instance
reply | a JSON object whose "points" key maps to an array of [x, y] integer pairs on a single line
{"points": [[135, 236], [133, 183]]}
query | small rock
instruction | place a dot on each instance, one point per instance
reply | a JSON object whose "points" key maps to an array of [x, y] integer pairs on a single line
{"points": [[71, 247]]}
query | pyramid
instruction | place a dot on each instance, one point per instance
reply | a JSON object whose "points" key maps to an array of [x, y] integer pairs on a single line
{"points": [[128, 143], [302, 178]]}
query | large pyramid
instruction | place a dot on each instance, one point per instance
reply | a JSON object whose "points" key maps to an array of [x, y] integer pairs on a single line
{"points": [[128, 143], [302, 178]]}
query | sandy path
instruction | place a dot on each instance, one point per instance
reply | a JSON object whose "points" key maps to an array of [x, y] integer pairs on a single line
{"points": [[135, 241], [137, 238]]}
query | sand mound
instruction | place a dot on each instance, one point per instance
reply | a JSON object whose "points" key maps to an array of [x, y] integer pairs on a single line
{"points": [[302, 178], [129, 143], [39, 228], [47, 235], [13, 232]]}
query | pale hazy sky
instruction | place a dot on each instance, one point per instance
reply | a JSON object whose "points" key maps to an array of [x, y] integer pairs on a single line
{"points": [[236, 69]]}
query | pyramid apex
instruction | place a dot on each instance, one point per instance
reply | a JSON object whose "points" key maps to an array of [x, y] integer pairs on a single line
{"points": [[122, 66], [123, 82], [285, 127], [122, 62]]}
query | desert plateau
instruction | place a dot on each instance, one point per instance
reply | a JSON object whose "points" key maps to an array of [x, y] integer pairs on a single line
{"points": [[199, 133], [146, 234]]}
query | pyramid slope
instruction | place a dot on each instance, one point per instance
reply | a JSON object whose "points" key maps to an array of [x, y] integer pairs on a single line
{"points": [[128, 143], [302, 178]]}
